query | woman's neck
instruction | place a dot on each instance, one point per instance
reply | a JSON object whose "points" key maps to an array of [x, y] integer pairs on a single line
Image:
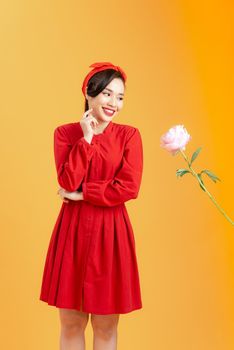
{"points": [[101, 126]]}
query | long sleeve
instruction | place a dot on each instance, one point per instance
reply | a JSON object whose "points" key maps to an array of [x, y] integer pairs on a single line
{"points": [[126, 183], [71, 160]]}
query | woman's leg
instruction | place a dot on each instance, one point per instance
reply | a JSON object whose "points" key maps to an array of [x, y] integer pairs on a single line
{"points": [[73, 324], [104, 331]]}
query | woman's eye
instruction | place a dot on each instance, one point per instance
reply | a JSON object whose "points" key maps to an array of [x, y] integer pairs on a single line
{"points": [[107, 93]]}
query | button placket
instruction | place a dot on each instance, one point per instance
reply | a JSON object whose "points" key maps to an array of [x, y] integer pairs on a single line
{"points": [[88, 220]]}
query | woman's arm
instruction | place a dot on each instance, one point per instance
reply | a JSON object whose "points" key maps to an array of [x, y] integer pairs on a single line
{"points": [[126, 184], [71, 160], [66, 195]]}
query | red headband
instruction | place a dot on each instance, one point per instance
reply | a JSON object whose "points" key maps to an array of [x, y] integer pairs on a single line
{"points": [[98, 67]]}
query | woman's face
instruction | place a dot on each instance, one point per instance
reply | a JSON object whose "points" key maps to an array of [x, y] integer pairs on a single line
{"points": [[108, 102]]}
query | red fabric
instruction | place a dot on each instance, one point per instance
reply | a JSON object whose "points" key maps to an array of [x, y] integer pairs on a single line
{"points": [[91, 262], [98, 67]]}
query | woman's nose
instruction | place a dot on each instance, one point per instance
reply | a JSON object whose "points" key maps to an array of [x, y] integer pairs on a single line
{"points": [[112, 101]]}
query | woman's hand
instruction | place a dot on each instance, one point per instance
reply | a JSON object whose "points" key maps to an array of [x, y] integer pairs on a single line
{"points": [[66, 195], [88, 123]]}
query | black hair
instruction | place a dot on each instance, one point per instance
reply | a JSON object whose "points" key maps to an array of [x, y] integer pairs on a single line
{"points": [[99, 81]]}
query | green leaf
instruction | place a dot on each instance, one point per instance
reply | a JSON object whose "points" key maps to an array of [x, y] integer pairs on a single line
{"points": [[199, 175], [195, 154], [181, 172], [211, 175]]}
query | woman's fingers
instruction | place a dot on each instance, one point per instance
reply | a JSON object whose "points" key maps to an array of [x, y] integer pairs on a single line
{"points": [[62, 194], [89, 117], [66, 195], [86, 113]]}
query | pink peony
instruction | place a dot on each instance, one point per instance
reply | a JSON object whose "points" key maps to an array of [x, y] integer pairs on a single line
{"points": [[175, 141], [175, 138]]}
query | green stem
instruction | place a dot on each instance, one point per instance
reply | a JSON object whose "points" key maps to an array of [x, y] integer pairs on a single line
{"points": [[211, 197]]}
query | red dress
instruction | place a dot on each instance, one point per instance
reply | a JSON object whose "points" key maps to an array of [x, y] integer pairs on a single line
{"points": [[91, 263]]}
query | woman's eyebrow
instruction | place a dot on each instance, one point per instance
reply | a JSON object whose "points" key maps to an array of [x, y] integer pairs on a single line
{"points": [[112, 91]]}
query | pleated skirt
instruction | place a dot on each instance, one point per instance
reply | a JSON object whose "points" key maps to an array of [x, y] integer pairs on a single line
{"points": [[91, 263]]}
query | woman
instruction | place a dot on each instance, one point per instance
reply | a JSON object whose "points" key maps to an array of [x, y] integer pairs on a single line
{"points": [[91, 265]]}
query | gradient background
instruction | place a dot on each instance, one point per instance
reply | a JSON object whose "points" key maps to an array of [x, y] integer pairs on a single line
{"points": [[178, 56]]}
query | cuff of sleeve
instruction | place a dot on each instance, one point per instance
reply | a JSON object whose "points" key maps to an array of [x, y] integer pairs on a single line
{"points": [[91, 192], [83, 140], [87, 147], [84, 190]]}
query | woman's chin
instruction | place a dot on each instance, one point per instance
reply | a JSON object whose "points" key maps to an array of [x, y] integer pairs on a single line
{"points": [[104, 118]]}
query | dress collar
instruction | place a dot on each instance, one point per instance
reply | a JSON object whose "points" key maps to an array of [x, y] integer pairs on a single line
{"points": [[106, 130]]}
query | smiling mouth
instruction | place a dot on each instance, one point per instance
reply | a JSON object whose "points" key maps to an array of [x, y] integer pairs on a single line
{"points": [[108, 111]]}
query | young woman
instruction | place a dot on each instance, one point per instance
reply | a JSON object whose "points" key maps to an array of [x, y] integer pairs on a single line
{"points": [[91, 265]]}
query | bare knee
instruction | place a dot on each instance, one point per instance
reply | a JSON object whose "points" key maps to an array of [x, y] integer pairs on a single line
{"points": [[104, 326], [72, 321]]}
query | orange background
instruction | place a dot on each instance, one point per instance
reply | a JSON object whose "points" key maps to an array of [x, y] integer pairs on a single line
{"points": [[178, 56]]}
